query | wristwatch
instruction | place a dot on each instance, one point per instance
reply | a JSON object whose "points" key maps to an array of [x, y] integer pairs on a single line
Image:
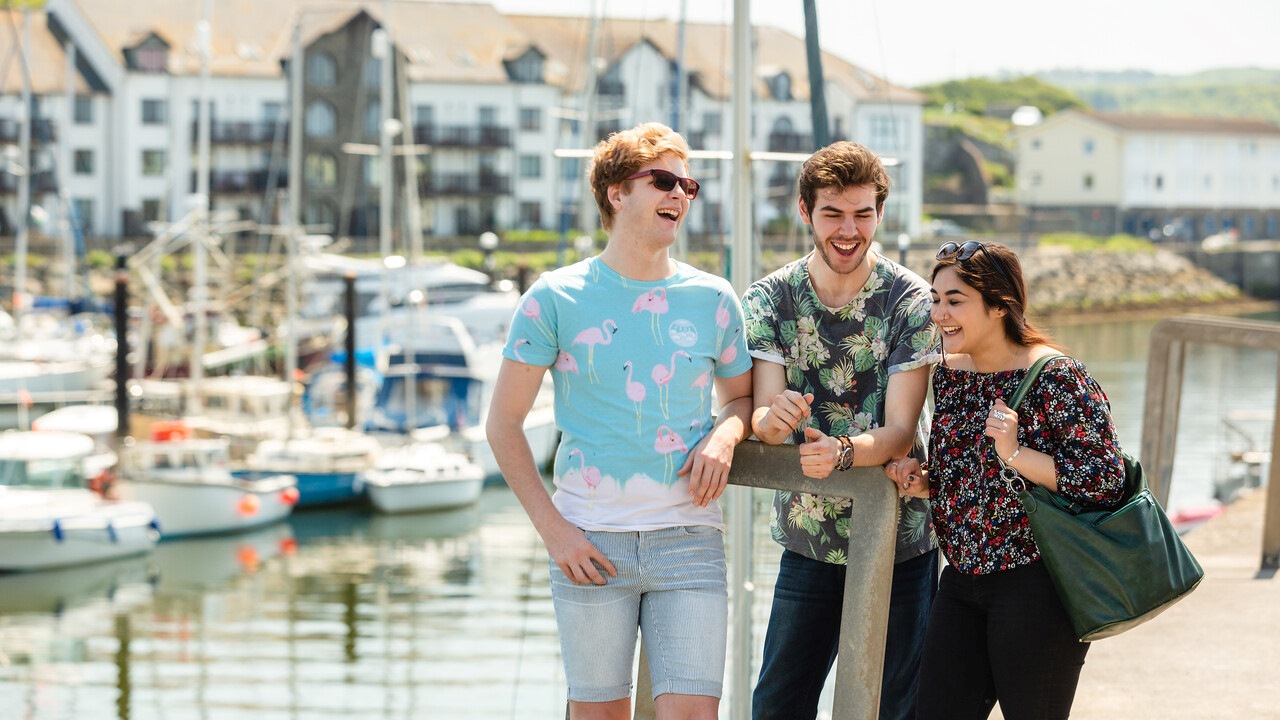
{"points": [[844, 458]]}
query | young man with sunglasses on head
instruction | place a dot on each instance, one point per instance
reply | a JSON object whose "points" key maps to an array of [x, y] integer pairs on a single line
{"points": [[634, 341], [842, 346]]}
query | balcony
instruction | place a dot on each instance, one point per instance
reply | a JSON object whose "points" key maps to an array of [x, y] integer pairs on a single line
{"points": [[42, 131], [240, 133], [455, 184], [462, 136], [790, 142], [239, 182], [42, 181]]}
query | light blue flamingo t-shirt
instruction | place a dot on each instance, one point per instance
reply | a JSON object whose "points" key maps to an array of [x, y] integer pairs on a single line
{"points": [[633, 364]]}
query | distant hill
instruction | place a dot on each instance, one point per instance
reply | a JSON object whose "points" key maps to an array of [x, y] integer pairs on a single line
{"points": [[1229, 92]]}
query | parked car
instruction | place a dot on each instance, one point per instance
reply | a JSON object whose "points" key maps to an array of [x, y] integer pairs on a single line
{"points": [[942, 228]]}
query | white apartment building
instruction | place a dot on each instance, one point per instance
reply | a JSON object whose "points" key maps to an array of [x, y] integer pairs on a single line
{"points": [[492, 97], [1142, 175]]}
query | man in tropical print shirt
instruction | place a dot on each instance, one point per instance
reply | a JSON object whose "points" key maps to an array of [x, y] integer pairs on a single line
{"points": [[842, 346]]}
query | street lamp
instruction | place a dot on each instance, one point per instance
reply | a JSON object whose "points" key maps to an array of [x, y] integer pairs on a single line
{"points": [[489, 243], [904, 244]]}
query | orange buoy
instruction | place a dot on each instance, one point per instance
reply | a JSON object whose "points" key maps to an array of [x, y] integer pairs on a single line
{"points": [[289, 496], [249, 505]]}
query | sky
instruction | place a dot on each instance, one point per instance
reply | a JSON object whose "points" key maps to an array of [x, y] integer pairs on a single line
{"points": [[913, 42]]}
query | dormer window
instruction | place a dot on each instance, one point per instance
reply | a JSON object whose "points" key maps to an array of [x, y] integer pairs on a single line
{"points": [[780, 86], [527, 68], [149, 56]]}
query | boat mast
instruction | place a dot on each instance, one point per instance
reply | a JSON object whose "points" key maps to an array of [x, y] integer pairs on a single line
{"points": [[817, 87], [24, 177], [294, 219], [200, 297], [587, 131]]}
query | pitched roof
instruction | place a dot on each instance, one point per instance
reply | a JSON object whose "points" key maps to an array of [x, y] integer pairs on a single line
{"points": [[46, 59], [1175, 124], [708, 55]]}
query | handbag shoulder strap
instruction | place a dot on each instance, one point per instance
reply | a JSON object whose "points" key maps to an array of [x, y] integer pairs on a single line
{"points": [[1032, 373]]}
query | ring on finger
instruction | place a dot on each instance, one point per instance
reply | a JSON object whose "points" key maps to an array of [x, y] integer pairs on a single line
{"points": [[999, 414]]}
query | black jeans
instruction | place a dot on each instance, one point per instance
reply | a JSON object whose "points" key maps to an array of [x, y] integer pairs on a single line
{"points": [[1004, 637]]}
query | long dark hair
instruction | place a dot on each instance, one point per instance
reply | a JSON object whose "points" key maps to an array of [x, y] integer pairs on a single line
{"points": [[994, 271]]}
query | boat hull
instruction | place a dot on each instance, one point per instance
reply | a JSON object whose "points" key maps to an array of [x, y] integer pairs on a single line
{"points": [[193, 507], [403, 492], [46, 529]]}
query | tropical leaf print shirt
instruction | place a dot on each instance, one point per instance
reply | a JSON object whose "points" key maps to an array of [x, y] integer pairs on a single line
{"points": [[844, 356], [982, 527], [633, 365]]}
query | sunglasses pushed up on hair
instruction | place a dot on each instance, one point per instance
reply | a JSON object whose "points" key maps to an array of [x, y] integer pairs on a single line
{"points": [[964, 251], [665, 181]]}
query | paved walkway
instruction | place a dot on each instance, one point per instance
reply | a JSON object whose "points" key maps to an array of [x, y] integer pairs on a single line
{"points": [[1214, 655]]}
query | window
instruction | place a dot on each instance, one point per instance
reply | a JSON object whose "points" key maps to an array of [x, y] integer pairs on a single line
{"points": [[424, 115], [321, 119], [527, 69], [531, 215], [272, 112], [1159, 182], [319, 212], [83, 113], [373, 72], [530, 166], [372, 171], [884, 132], [320, 170], [151, 59], [373, 118], [711, 123], [83, 210], [322, 71], [531, 118], [488, 116], [151, 210], [570, 169], [1088, 181], [83, 162], [155, 112], [1088, 146], [153, 162], [780, 86]]}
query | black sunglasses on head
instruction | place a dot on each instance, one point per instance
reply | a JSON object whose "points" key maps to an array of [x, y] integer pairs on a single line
{"points": [[665, 181], [966, 250]]}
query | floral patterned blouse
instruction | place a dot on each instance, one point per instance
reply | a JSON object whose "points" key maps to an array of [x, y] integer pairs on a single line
{"points": [[979, 520]]}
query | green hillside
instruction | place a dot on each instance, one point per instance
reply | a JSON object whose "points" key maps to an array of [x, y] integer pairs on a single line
{"points": [[1230, 92]]}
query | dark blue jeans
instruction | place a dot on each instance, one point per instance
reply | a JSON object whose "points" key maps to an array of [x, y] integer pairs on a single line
{"points": [[804, 630]]}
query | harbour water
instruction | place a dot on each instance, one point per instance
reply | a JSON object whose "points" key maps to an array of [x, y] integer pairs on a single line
{"points": [[349, 614]]}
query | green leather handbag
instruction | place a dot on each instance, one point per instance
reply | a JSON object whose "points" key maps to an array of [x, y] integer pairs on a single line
{"points": [[1114, 569]]}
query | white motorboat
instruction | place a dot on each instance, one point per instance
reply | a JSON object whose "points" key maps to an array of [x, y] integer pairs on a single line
{"points": [[422, 476], [48, 517], [99, 423], [190, 484]]}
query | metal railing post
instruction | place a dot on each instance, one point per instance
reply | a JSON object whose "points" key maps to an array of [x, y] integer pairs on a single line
{"points": [[1165, 364], [867, 583]]}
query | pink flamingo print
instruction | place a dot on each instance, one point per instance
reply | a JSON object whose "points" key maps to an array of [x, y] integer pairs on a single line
{"points": [[531, 309], [589, 474], [662, 377], [636, 392], [703, 383], [722, 317], [516, 347], [566, 364], [654, 302], [667, 443], [730, 353], [591, 337]]}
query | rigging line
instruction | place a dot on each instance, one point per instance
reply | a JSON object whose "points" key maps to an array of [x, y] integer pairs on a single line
{"points": [[884, 78]]}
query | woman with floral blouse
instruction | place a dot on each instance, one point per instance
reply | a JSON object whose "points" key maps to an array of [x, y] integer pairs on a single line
{"points": [[997, 631]]}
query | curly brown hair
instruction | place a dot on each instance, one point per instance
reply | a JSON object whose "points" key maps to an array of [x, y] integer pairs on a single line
{"points": [[620, 155], [842, 165]]}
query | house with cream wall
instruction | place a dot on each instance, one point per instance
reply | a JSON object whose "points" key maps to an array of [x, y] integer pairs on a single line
{"points": [[1151, 176]]}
